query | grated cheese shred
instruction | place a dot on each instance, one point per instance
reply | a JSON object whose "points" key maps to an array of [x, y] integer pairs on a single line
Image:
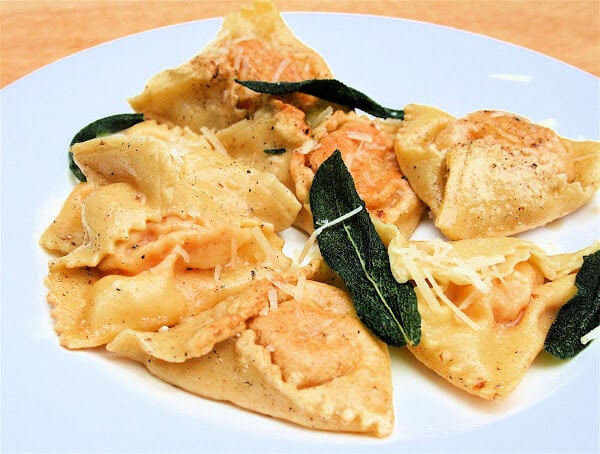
{"points": [[281, 68], [217, 274], [593, 334], [300, 285], [468, 301], [313, 237], [457, 311], [285, 287], [420, 281], [322, 116], [422, 266], [307, 146], [212, 138], [182, 252], [273, 303], [360, 136], [262, 241], [176, 155]]}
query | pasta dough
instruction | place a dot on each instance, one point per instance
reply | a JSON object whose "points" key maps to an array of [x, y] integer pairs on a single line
{"points": [[486, 306], [253, 43], [493, 174]]}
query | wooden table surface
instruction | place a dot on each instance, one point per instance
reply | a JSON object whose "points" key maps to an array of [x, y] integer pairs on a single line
{"points": [[35, 33]]}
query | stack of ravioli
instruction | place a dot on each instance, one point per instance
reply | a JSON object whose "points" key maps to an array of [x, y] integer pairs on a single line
{"points": [[171, 254]]}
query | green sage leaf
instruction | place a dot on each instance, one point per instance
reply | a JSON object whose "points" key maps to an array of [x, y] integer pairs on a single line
{"points": [[101, 127], [352, 248], [580, 315], [328, 89]]}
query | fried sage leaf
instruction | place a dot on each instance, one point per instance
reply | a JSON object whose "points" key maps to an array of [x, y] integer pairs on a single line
{"points": [[580, 315], [353, 250], [328, 89], [99, 128]]}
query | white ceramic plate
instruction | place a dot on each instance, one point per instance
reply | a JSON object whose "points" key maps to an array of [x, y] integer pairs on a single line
{"points": [[62, 401]]}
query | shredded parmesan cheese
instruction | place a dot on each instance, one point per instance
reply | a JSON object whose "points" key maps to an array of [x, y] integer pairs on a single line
{"points": [[176, 155], [220, 51], [459, 314], [468, 300], [312, 238], [593, 334], [262, 241], [420, 281], [273, 303], [299, 293], [237, 62], [306, 147], [439, 258], [322, 116], [279, 71], [272, 298], [285, 287], [183, 253], [244, 67], [212, 138], [217, 274], [360, 136], [422, 266]]}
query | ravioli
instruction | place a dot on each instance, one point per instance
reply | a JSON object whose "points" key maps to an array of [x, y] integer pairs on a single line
{"points": [[486, 306], [253, 44], [493, 174], [367, 147], [165, 228], [305, 358]]}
